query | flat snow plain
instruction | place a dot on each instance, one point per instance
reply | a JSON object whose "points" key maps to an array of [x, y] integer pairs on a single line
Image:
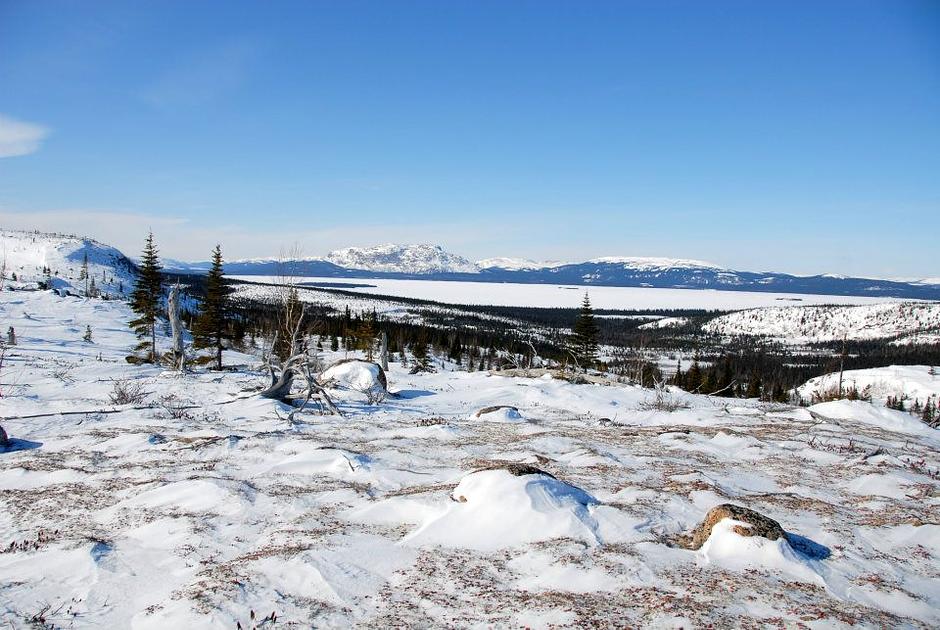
{"points": [[156, 518], [565, 296]]}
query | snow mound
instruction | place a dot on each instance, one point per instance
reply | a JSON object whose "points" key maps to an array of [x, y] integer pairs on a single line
{"points": [[498, 413], [360, 376], [730, 550], [913, 381], [875, 415], [494, 509]]}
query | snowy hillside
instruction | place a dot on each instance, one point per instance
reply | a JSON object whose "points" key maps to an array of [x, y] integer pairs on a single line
{"points": [[912, 382], [464, 500], [409, 259], [807, 324], [40, 256]]}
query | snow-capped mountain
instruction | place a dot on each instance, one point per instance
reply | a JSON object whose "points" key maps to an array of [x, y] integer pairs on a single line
{"points": [[409, 259], [41, 256]]}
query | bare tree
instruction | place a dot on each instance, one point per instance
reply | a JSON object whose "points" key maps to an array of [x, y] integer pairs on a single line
{"points": [[294, 359], [383, 351], [176, 328]]}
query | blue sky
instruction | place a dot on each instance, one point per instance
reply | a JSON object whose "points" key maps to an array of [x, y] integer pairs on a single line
{"points": [[794, 136]]}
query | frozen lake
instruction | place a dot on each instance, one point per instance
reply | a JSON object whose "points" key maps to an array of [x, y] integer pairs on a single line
{"points": [[563, 296]]}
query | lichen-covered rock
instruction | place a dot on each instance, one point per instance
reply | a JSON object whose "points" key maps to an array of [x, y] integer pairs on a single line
{"points": [[757, 525], [517, 469]]}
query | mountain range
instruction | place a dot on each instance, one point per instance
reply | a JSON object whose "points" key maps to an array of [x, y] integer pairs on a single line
{"points": [[432, 262]]}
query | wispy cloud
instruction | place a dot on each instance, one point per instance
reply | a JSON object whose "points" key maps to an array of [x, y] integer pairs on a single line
{"points": [[202, 77], [20, 138]]}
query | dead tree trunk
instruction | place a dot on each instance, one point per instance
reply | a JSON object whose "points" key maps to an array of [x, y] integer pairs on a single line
{"points": [[383, 351], [176, 328]]}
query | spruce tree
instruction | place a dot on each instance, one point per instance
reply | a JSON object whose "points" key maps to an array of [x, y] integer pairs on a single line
{"points": [[421, 358], [145, 300], [365, 335], [210, 327], [584, 339], [83, 275]]}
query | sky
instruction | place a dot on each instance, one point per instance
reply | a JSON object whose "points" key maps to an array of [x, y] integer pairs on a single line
{"points": [[792, 136]]}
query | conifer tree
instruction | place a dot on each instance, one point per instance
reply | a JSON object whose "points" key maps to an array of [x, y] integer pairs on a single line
{"points": [[365, 335], [421, 359], [210, 327], [83, 275], [584, 339], [145, 300]]}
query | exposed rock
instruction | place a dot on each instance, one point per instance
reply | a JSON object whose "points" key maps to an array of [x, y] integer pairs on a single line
{"points": [[486, 410], [517, 469], [4, 440], [759, 525]]}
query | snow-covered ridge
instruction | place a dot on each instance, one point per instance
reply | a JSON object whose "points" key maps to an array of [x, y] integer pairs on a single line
{"points": [[29, 254], [391, 258], [808, 324], [517, 264], [646, 263]]}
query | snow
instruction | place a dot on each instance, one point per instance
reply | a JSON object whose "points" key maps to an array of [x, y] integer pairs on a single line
{"points": [[26, 254], [493, 509], [876, 415], [569, 296], [653, 263], [417, 259], [361, 376], [518, 264], [665, 322], [808, 324], [156, 520], [915, 382], [729, 549]]}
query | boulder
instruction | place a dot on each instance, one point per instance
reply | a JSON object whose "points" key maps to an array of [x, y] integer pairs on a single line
{"points": [[4, 439], [756, 525], [356, 374]]}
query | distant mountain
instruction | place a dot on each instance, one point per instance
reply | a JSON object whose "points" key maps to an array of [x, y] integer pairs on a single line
{"points": [[409, 259], [432, 262]]}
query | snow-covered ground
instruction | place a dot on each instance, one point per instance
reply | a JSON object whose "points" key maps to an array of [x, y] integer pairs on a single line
{"points": [[563, 296], [202, 504], [807, 324], [913, 382]]}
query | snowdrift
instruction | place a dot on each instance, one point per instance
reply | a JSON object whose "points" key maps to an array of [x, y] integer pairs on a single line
{"points": [[493, 509]]}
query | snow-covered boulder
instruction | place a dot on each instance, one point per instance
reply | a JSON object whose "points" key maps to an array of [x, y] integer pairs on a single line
{"points": [[498, 413], [356, 374], [749, 523], [506, 506], [729, 547]]}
